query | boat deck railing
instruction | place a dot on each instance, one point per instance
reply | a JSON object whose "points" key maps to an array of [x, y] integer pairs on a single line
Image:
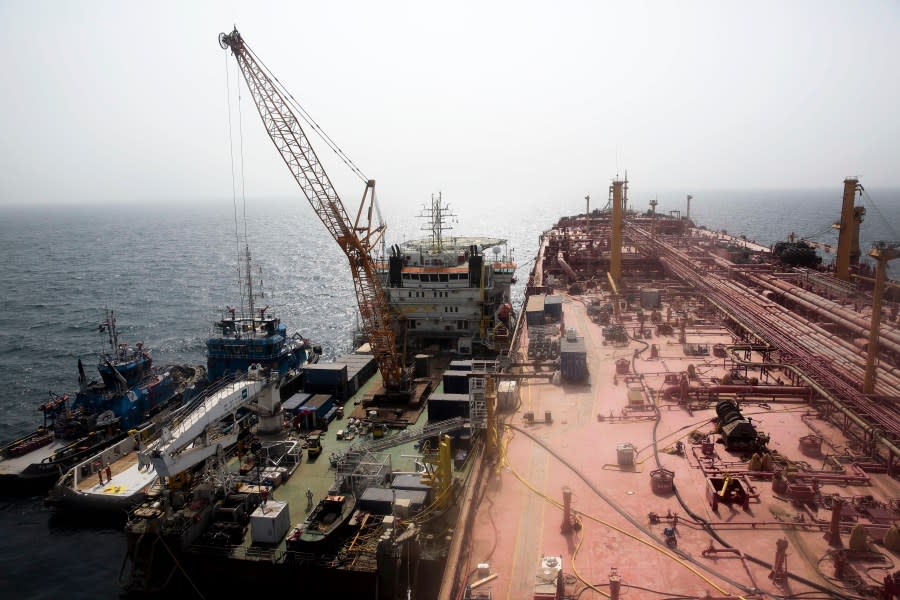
{"points": [[92, 464], [208, 400]]}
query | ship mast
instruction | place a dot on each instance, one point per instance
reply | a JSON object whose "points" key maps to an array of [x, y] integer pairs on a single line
{"points": [[436, 225], [250, 288], [112, 332]]}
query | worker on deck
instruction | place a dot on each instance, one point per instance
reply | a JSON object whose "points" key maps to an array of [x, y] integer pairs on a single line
{"points": [[309, 499]]}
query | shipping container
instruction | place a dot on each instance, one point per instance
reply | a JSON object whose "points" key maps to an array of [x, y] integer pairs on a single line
{"points": [[456, 382], [296, 401], [410, 482], [423, 365], [270, 522], [573, 360], [447, 406], [360, 368], [460, 365], [320, 404], [534, 310], [328, 378], [315, 412], [377, 500], [380, 501], [305, 418], [553, 308]]}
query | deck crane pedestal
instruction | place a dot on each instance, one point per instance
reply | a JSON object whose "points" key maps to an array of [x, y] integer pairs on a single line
{"points": [[356, 237]]}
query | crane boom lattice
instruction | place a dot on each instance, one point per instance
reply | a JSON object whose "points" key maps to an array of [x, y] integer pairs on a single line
{"points": [[355, 239]]}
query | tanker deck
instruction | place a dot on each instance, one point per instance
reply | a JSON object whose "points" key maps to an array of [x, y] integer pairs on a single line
{"points": [[706, 438]]}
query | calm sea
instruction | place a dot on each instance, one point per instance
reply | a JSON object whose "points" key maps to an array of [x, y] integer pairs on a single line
{"points": [[169, 271]]}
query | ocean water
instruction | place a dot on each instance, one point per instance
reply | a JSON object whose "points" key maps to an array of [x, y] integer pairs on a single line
{"points": [[169, 271]]}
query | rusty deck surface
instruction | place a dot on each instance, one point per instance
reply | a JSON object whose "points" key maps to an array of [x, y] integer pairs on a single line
{"points": [[618, 520], [520, 518]]}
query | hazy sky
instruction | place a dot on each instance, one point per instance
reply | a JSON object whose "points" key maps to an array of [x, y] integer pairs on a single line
{"points": [[514, 102]]}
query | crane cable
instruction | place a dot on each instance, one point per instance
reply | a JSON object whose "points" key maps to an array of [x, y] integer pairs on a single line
{"points": [[304, 114], [237, 235], [816, 234], [884, 221]]}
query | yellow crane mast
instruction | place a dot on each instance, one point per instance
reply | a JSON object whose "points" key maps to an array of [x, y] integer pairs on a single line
{"points": [[356, 239]]}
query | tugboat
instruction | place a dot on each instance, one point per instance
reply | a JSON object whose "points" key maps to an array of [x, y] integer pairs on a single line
{"points": [[129, 392], [249, 335]]}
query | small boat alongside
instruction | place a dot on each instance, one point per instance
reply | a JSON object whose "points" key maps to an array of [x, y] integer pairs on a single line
{"points": [[327, 518], [113, 480], [128, 394], [121, 476]]}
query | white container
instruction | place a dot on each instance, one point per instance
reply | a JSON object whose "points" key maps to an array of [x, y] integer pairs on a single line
{"points": [[507, 395], [625, 454], [270, 522], [401, 507], [635, 398]]}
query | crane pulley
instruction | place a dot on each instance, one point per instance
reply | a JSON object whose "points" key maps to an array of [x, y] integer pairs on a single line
{"points": [[357, 237]]}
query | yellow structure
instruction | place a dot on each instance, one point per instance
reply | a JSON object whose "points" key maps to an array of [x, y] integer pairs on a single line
{"points": [[881, 252], [848, 237], [440, 477], [492, 433]]}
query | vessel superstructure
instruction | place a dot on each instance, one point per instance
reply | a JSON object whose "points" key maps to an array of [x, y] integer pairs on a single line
{"points": [[249, 334], [450, 292]]}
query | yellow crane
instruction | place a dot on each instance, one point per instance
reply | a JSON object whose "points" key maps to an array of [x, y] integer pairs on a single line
{"points": [[356, 237]]}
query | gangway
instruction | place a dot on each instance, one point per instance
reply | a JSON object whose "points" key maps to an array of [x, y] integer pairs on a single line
{"points": [[411, 435], [176, 451]]}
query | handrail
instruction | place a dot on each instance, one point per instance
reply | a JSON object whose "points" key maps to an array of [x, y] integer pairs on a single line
{"points": [[411, 435]]}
